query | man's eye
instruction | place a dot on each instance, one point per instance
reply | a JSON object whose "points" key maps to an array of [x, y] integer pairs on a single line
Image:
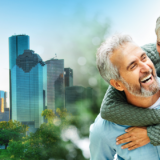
{"points": [[144, 57], [133, 66], [158, 44]]}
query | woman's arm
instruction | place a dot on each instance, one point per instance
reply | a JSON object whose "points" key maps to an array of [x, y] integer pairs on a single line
{"points": [[116, 109]]}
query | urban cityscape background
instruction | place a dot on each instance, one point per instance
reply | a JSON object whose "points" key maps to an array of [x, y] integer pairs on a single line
{"points": [[36, 85]]}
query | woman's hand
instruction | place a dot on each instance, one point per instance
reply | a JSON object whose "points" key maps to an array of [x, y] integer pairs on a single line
{"points": [[135, 137]]}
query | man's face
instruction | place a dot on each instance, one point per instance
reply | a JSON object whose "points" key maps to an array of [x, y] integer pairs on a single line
{"points": [[137, 72]]}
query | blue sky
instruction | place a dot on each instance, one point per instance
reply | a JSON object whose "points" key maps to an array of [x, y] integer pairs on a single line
{"points": [[52, 24]]}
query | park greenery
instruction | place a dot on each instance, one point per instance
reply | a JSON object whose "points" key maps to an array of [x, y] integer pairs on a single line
{"points": [[46, 143], [11, 130]]}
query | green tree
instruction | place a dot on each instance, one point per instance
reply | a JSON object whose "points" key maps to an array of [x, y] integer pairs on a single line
{"points": [[49, 115], [11, 130], [46, 142]]}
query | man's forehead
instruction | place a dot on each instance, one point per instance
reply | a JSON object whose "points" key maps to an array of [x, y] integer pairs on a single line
{"points": [[125, 53]]}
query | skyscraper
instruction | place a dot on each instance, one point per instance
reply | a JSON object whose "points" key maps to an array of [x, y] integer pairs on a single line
{"points": [[4, 111], [28, 89], [17, 45], [68, 74], [55, 84]]}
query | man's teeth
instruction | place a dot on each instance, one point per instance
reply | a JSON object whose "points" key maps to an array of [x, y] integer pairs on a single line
{"points": [[146, 79]]}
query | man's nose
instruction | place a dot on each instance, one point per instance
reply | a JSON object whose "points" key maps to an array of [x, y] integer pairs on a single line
{"points": [[145, 67]]}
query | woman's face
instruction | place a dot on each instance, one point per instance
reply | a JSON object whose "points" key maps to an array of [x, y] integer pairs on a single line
{"points": [[158, 41]]}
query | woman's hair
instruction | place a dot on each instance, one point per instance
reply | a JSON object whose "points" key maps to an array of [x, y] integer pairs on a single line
{"points": [[157, 25]]}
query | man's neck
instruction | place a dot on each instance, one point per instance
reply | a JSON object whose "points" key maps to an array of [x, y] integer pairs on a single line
{"points": [[143, 102]]}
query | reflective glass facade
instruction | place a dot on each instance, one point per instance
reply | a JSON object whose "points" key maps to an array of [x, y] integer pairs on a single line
{"points": [[68, 74], [55, 84], [28, 89], [4, 111], [17, 45]]}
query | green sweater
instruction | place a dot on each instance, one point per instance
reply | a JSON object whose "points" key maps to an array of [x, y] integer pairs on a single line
{"points": [[115, 107]]}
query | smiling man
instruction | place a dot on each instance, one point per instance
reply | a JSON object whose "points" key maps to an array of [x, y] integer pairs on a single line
{"points": [[136, 78], [127, 68]]}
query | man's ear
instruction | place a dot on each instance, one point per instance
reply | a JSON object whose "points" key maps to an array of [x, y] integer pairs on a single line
{"points": [[117, 84]]}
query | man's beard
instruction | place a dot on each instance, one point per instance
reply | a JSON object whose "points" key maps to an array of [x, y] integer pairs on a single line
{"points": [[140, 91]]}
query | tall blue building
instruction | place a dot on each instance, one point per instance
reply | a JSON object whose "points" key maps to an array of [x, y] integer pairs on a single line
{"points": [[28, 89], [17, 45], [55, 84]]}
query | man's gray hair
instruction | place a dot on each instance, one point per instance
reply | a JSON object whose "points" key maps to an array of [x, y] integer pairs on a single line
{"points": [[107, 70]]}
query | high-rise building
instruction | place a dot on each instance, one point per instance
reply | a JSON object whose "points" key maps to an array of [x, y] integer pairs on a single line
{"points": [[75, 97], [17, 45], [68, 74], [55, 84], [4, 111], [28, 89]]}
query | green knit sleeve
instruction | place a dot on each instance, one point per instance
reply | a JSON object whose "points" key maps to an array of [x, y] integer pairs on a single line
{"points": [[153, 133], [116, 109]]}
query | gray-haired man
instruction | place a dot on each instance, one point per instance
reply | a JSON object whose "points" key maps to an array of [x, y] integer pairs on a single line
{"points": [[127, 68]]}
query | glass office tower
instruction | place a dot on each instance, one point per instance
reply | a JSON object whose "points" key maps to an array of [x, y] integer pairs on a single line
{"points": [[4, 111], [28, 89], [17, 45], [68, 74], [55, 84]]}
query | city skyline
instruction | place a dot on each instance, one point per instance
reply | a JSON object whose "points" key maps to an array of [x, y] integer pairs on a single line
{"points": [[35, 85], [29, 85], [19, 45]]}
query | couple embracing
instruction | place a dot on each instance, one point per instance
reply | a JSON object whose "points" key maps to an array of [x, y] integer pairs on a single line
{"points": [[129, 121]]}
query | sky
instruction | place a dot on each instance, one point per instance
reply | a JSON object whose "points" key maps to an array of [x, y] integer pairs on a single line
{"points": [[54, 24]]}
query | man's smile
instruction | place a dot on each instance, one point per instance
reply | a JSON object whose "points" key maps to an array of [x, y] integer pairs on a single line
{"points": [[147, 80]]}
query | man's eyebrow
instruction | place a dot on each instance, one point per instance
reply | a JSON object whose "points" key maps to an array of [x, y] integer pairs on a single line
{"points": [[144, 53]]}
